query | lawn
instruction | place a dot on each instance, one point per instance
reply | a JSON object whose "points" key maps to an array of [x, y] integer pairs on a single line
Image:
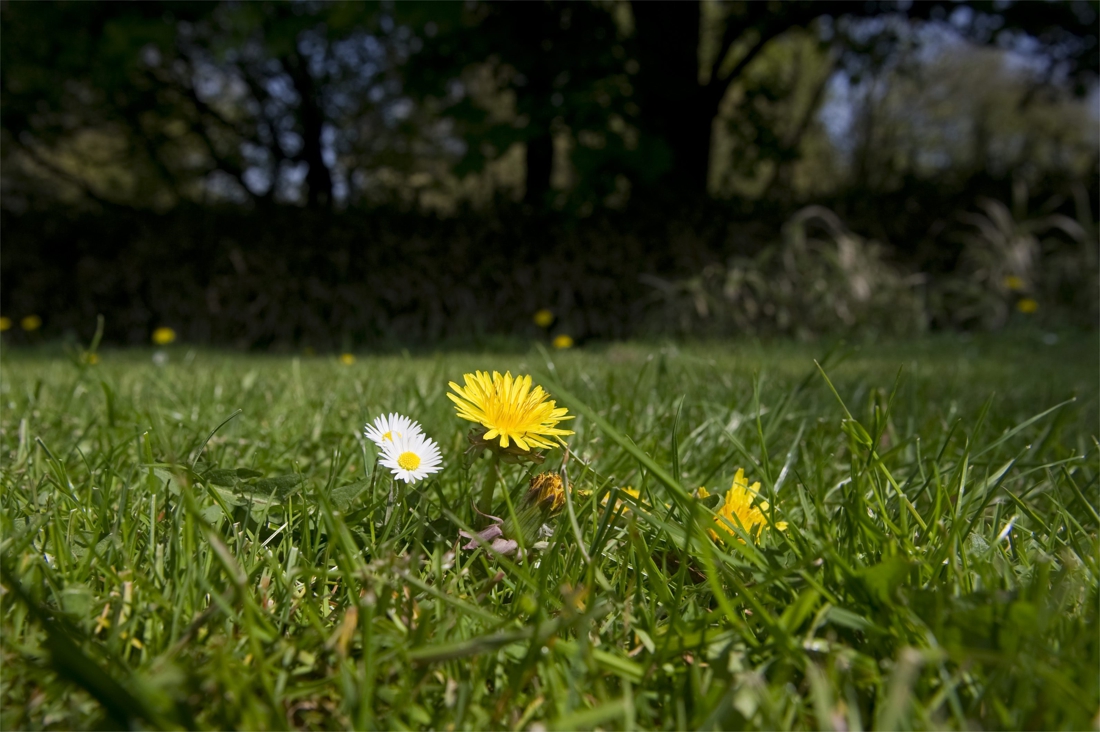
{"points": [[209, 542]]}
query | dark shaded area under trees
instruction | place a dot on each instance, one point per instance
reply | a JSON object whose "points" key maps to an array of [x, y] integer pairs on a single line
{"points": [[355, 174]]}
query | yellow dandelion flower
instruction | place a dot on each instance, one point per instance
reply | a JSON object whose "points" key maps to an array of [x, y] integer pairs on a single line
{"points": [[563, 341], [737, 509], [632, 492], [1014, 283], [347, 359], [90, 358], [543, 318], [1027, 305], [5, 323], [31, 322], [510, 409], [163, 336]]}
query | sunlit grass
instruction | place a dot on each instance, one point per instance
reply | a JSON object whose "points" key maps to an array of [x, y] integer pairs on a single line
{"points": [[938, 569]]}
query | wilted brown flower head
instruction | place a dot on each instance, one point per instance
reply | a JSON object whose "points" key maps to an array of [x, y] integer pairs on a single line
{"points": [[547, 492]]}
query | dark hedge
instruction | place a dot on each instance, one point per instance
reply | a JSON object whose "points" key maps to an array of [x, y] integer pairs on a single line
{"points": [[289, 277]]}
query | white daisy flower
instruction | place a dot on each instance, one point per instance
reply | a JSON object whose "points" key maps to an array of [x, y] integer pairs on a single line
{"points": [[412, 457], [389, 426]]}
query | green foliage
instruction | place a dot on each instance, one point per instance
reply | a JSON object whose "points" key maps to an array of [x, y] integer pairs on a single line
{"points": [[579, 105], [804, 285], [525, 74], [1013, 269], [167, 103], [939, 569], [1013, 256]]}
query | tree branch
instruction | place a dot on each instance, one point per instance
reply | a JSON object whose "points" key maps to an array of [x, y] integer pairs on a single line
{"points": [[768, 26], [222, 163], [792, 140], [278, 153], [716, 87], [131, 115], [65, 175], [261, 95]]}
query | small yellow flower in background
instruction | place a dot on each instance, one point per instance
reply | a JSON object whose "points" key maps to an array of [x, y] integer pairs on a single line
{"points": [[543, 318], [5, 323], [1014, 283], [510, 409], [1027, 305], [90, 358], [163, 336], [563, 341], [347, 359], [738, 510], [30, 323]]}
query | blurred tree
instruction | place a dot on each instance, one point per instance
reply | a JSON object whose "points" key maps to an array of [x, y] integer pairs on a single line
{"points": [[961, 114], [73, 91], [323, 103], [687, 68], [526, 73], [769, 129], [635, 91], [255, 101]]}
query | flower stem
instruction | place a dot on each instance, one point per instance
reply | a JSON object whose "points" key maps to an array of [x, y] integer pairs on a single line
{"points": [[485, 502]]}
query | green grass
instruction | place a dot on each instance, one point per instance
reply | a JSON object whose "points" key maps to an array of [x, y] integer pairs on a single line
{"points": [[939, 569]]}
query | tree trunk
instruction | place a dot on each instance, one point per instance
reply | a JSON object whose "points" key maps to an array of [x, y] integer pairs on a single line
{"points": [[532, 22], [312, 119], [689, 136], [540, 165], [675, 108]]}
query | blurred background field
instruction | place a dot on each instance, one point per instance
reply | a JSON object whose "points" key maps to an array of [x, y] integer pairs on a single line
{"points": [[341, 176]]}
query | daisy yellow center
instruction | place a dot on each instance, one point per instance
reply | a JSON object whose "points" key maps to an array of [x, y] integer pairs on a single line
{"points": [[408, 461]]}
